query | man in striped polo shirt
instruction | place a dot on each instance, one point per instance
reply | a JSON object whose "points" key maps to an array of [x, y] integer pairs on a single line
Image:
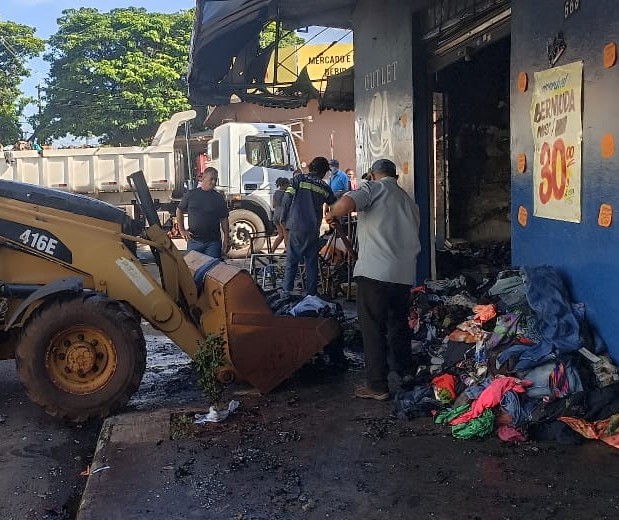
{"points": [[302, 212]]}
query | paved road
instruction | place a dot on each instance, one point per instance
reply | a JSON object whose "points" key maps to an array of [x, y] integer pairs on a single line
{"points": [[41, 458]]}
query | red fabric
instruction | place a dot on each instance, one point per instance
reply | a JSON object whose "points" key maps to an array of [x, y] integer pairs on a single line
{"points": [[484, 313], [491, 397], [606, 430], [509, 434], [418, 289], [462, 336], [446, 382]]}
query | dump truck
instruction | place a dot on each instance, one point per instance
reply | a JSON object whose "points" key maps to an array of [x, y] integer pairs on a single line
{"points": [[248, 156], [73, 294]]}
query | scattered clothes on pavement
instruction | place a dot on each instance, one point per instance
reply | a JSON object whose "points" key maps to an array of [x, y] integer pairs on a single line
{"points": [[514, 356], [314, 306], [606, 430], [306, 307], [418, 402]]}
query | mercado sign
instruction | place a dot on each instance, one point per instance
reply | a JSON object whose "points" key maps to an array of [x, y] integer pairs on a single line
{"points": [[322, 61], [556, 121]]}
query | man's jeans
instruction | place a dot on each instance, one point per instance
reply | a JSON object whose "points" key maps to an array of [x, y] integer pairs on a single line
{"points": [[208, 248], [302, 246], [383, 309]]}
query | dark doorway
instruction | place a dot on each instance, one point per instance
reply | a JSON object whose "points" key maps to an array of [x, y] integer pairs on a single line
{"points": [[471, 152]]}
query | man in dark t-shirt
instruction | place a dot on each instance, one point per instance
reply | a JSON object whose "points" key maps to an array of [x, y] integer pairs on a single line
{"points": [[208, 217]]}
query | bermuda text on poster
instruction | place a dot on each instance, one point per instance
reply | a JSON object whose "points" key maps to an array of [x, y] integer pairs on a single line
{"points": [[556, 121]]}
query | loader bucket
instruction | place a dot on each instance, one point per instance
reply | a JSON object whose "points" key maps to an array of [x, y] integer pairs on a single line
{"points": [[262, 349]]}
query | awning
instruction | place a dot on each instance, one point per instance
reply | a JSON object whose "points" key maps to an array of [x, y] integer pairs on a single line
{"points": [[340, 92], [225, 55]]}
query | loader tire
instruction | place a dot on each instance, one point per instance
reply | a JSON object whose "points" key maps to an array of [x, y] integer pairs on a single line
{"points": [[81, 357], [243, 223]]}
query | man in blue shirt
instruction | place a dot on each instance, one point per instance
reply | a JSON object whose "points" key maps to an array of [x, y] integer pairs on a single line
{"points": [[302, 212], [338, 181]]}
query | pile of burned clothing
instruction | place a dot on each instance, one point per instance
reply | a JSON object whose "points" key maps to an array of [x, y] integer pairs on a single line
{"points": [[520, 361], [304, 307], [474, 259]]}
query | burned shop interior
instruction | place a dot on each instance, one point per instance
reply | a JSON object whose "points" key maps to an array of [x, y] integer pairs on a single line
{"points": [[471, 156]]}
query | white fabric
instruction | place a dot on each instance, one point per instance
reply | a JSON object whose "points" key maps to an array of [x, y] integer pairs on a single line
{"points": [[388, 232], [312, 303]]}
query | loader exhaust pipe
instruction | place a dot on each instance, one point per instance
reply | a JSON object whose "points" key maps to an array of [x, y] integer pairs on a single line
{"points": [[138, 185]]}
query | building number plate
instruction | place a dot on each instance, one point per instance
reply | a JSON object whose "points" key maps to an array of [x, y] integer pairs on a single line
{"points": [[570, 7]]}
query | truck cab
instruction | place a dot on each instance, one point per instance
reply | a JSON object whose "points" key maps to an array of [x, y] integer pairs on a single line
{"points": [[250, 157]]}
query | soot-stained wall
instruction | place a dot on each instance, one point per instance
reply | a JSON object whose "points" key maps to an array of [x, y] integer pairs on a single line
{"points": [[383, 85]]}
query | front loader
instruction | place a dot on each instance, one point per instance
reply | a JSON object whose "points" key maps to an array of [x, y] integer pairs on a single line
{"points": [[73, 294]]}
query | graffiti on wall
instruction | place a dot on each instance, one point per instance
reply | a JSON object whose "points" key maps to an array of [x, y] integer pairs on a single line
{"points": [[385, 132], [373, 133], [383, 128]]}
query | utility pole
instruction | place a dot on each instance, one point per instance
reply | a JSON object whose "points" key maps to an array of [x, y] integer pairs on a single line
{"points": [[40, 110], [39, 87]]}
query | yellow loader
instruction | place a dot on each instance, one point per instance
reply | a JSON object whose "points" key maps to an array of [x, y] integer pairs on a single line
{"points": [[73, 294]]}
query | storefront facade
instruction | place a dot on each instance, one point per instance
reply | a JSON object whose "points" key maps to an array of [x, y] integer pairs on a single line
{"points": [[580, 239], [585, 251], [548, 141]]}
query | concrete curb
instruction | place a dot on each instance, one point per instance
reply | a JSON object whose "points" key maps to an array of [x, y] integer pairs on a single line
{"points": [[117, 431]]}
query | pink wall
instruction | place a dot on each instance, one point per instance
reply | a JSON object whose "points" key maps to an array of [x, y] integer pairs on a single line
{"points": [[316, 134]]}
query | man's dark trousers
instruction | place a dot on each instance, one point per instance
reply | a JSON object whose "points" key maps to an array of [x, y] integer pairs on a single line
{"points": [[383, 317], [302, 245]]}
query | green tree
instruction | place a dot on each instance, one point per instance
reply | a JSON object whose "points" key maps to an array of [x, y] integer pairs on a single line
{"points": [[116, 75], [17, 45], [287, 38]]}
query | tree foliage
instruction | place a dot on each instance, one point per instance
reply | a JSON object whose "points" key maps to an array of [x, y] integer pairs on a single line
{"points": [[17, 45], [287, 38], [116, 75]]}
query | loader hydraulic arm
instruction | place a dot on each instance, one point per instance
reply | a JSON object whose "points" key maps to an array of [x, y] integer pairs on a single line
{"points": [[176, 278]]}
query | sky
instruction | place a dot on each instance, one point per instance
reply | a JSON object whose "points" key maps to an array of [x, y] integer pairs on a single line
{"points": [[42, 15]]}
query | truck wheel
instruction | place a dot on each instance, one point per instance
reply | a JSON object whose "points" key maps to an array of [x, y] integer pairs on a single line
{"points": [[81, 357], [242, 224]]}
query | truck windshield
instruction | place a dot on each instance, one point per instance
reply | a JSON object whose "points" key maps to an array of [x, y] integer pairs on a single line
{"points": [[268, 152]]}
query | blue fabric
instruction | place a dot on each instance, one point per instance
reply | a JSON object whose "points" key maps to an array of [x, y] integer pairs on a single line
{"points": [[302, 246], [542, 384], [418, 402], [517, 407], [549, 299], [207, 248], [474, 391], [510, 289], [527, 357], [339, 182], [201, 272]]}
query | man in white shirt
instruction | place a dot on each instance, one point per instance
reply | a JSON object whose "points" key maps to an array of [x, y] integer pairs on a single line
{"points": [[388, 235]]}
